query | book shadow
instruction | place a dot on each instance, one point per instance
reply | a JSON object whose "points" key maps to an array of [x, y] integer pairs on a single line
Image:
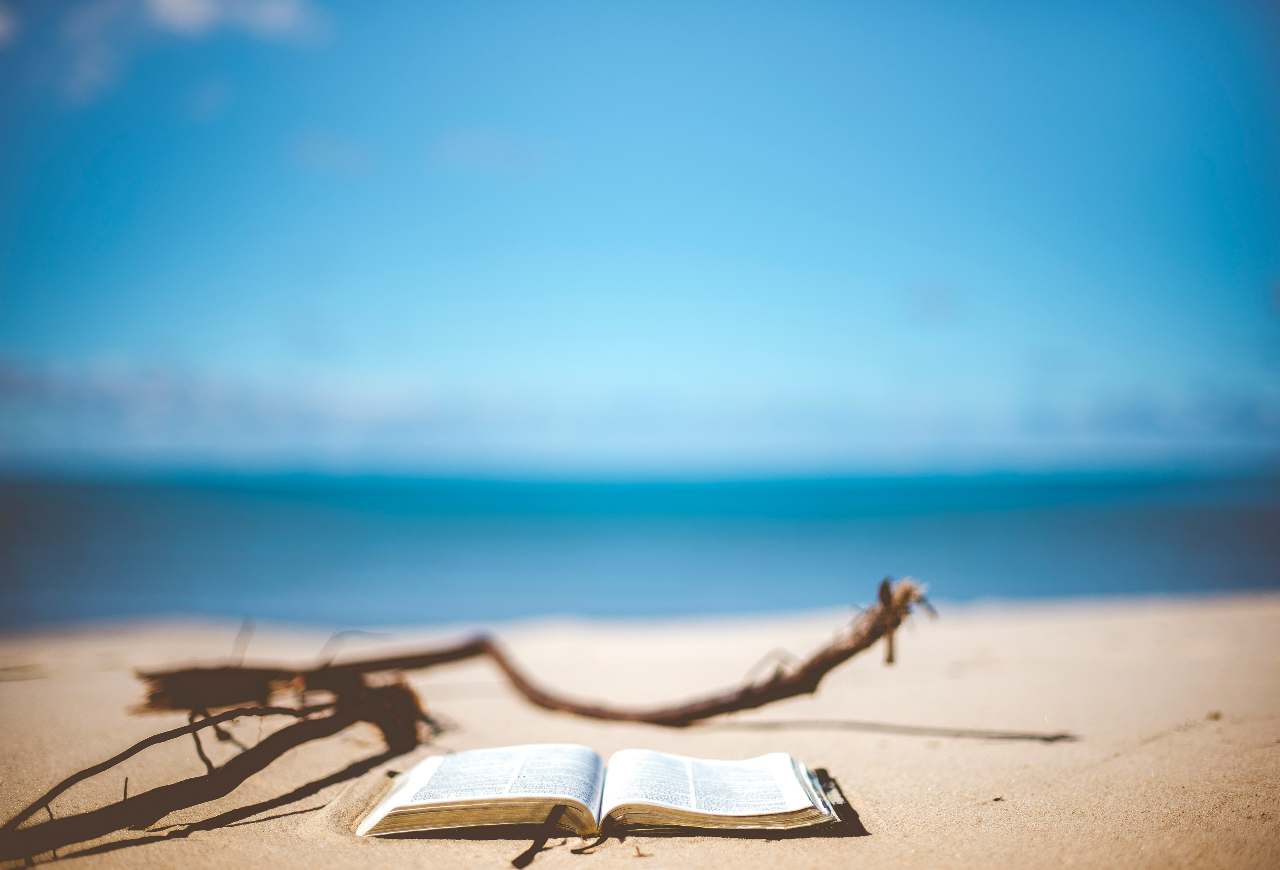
{"points": [[848, 824]]}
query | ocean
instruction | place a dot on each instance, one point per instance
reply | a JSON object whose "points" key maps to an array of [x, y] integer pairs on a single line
{"points": [[363, 551]]}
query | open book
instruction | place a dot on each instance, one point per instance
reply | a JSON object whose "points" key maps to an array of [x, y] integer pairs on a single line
{"points": [[639, 789]]}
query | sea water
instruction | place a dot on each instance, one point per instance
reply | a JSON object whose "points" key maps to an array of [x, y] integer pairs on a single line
{"points": [[367, 551]]}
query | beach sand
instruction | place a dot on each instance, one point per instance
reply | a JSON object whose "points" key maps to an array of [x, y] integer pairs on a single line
{"points": [[1175, 704]]}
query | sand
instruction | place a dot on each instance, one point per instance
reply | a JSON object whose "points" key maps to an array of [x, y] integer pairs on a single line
{"points": [[1175, 703]]}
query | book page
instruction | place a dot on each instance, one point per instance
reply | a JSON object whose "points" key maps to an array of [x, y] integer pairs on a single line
{"points": [[756, 786], [640, 776], [542, 769]]}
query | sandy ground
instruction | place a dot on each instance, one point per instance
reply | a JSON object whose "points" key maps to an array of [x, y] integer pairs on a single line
{"points": [[1175, 703]]}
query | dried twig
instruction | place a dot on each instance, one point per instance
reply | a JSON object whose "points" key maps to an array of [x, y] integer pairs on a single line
{"points": [[880, 620], [190, 688]]}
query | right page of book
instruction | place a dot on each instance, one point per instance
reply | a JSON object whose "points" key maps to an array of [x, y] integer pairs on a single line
{"points": [[752, 787]]}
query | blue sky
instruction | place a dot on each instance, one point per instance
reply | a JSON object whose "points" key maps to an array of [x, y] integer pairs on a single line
{"points": [[735, 239]]}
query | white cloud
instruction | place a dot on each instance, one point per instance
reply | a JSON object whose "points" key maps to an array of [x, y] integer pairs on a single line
{"points": [[189, 17], [211, 100], [265, 18], [477, 150], [332, 155], [102, 35], [159, 415], [8, 25], [99, 35]]}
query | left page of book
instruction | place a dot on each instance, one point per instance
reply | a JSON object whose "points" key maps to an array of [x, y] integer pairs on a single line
{"points": [[513, 774]]}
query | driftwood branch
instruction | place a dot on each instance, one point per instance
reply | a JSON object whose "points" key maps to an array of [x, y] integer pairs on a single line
{"points": [[880, 620], [192, 689]]}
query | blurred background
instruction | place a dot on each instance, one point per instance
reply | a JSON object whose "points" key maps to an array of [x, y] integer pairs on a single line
{"points": [[415, 312]]}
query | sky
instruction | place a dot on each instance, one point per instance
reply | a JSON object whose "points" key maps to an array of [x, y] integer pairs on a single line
{"points": [[639, 239]]}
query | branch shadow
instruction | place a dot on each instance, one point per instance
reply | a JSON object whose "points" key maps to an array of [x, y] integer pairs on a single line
{"points": [[393, 709], [887, 728], [237, 817]]}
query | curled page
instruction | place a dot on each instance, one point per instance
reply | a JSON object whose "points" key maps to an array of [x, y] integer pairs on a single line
{"points": [[749, 788], [755, 787]]}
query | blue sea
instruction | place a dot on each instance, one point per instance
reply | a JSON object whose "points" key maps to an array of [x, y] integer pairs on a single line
{"points": [[367, 551]]}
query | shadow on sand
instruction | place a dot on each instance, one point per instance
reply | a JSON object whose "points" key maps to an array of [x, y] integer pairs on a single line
{"points": [[56, 834], [230, 819], [885, 728], [78, 829], [393, 709]]}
